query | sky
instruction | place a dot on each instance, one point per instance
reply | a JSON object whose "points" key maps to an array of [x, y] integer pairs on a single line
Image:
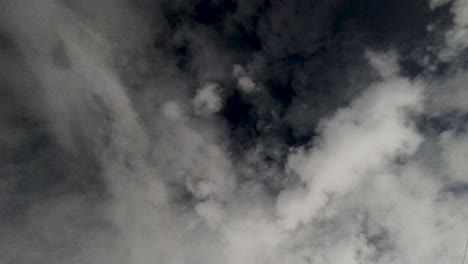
{"points": [[233, 132]]}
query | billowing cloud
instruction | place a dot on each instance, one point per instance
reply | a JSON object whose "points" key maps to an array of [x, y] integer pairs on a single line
{"points": [[244, 81], [242, 132], [208, 98], [367, 136]]}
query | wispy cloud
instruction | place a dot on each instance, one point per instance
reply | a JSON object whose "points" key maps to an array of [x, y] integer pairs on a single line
{"points": [[230, 132]]}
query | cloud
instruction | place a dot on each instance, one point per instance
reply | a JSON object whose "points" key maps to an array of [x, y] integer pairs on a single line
{"points": [[208, 99], [113, 153], [456, 35], [438, 3], [357, 140], [244, 81]]}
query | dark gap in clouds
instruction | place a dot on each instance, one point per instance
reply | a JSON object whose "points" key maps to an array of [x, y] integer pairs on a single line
{"points": [[403, 26], [241, 116], [296, 140], [411, 67], [442, 69], [242, 34], [243, 38], [450, 121], [181, 196], [458, 190], [183, 56], [281, 71], [400, 25], [282, 92], [213, 13], [174, 15], [396, 22]]}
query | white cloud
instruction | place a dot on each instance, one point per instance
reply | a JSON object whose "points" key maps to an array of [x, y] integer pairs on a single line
{"points": [[246, 84], [386, 64], [366, 136], [457, 36], [208, 99], [460, 10], [244, 80]]}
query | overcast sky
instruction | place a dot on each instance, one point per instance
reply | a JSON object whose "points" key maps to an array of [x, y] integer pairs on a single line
{"points": [[233, 131]]}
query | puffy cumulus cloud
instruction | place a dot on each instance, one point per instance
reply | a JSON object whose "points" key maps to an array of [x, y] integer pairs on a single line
{"points": [[460, 10], [111, 153], [208, 98], [244, 81], [456, 36], [386, 64], [367, 136], [246, 84]]}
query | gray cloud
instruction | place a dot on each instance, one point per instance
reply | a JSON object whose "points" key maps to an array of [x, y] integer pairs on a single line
{"points": [[228, 132]]}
